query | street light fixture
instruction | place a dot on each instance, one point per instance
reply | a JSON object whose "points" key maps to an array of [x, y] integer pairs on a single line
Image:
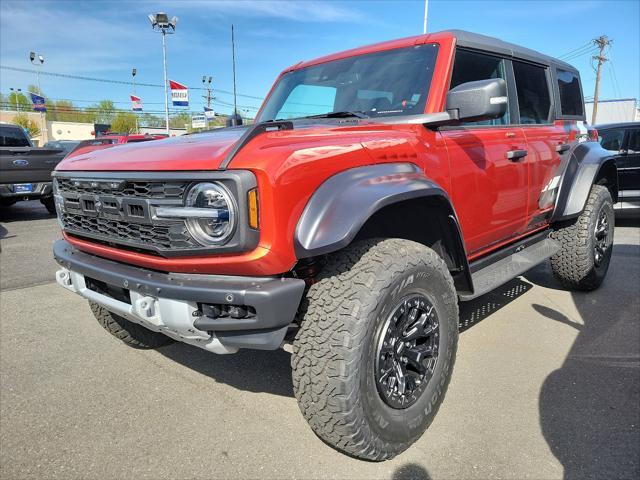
{"points": [[17, 92], [160, 23]]}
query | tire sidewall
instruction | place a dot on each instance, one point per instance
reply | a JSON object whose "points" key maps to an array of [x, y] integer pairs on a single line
{"points": [[405, 425], [603, 202]]}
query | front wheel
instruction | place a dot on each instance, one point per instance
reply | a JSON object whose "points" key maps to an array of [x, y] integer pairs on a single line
{"points": [[586, 243], [375, 351]]}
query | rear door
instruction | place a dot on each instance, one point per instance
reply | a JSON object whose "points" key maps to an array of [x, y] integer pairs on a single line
{"points": [[544, 138], [489, 190]]}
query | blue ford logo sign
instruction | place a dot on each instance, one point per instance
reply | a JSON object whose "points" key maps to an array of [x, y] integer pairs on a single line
{"points": [[20, 162]]}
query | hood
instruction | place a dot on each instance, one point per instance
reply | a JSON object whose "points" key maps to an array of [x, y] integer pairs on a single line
{"points": [[204, 151]]}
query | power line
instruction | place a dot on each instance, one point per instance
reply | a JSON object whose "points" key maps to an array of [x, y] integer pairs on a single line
{"points": [[575, 49], [118, 82]]}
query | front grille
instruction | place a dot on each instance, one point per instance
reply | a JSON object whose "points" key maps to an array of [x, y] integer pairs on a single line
{"points": [[141, 189], [163, 237]]}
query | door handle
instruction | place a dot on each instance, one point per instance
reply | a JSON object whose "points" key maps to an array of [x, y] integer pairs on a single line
{"points": [[563, 147], [515, 155]]}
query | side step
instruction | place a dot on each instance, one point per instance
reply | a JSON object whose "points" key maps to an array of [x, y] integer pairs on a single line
{"points": [[524, 257]]}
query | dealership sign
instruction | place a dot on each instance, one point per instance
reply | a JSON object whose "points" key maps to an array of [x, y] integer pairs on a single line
{"points": [[209, 113], [136, 104], [38, 102], [199, 121], [179, 94]]}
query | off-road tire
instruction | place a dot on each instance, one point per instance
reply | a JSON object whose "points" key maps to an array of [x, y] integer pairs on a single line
{"points": [[49, 205], [575, 264], [333, 352], [128, 332]]}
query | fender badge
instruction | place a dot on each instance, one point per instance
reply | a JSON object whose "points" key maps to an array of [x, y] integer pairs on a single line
{"points": [[20, 162]]}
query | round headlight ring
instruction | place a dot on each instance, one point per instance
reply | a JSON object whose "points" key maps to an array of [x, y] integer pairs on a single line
{"points": [[208, 231]]}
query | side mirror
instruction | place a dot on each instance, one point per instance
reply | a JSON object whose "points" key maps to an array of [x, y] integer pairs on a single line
{"points": [[479, 100]]}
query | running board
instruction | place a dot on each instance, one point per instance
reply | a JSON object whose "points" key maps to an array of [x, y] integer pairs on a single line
{"points": [[497, 273]]}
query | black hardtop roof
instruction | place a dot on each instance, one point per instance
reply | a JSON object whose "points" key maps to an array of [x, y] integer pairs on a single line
{"points": [[608, 126], [491, 44]]}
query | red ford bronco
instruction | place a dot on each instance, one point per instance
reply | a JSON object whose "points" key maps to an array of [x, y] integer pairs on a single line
{"points": [[377, 188]]}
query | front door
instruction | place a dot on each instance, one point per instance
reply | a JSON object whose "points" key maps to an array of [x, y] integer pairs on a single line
{"points": [[488, 164]]}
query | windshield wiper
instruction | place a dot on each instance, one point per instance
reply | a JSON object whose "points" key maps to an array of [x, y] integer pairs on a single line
{"points": [[343, 114]]}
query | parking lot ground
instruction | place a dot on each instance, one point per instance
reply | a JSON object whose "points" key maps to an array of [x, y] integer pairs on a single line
{"points": [[546, 385]]}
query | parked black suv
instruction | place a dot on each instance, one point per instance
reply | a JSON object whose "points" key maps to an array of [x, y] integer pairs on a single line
{"points": [[623, 139]]}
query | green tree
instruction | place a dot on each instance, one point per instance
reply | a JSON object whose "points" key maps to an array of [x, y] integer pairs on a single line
{"points": [[123, 122], [29, 125], [19, 99], [103, 111], [149, 120], [180, 120]]}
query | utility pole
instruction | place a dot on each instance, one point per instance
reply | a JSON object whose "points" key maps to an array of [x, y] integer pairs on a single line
{"points": [[601, 42], [208, 97]]}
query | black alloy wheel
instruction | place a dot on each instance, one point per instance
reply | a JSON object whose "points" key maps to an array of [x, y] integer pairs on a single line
{"points": [[407, 351]]}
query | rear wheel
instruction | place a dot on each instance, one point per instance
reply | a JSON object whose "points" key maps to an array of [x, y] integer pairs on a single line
{"points": [[586, 243], [128, 332], [375, 351]]}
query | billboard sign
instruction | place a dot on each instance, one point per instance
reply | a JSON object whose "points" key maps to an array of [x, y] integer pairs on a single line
{"points": [[199, 121], [179, 94]]}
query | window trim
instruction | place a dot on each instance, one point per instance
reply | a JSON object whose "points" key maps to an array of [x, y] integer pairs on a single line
{"points": [[556, 93], [512, 92]]}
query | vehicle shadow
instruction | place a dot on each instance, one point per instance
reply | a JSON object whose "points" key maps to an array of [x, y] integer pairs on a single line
{"points": [[248, 370], [30, 210], [590, 406], [270, 371]]}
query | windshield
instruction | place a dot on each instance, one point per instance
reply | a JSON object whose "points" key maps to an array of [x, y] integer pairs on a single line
{"points": [[392, 82]]}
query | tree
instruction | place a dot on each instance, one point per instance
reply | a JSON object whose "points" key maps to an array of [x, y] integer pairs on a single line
{"points": [[29, 125], [123, 122], [180, 120], [103, 111], [19, 99]]}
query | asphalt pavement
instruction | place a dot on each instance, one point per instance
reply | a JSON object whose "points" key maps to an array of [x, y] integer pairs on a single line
{"points": [[546, 385]]}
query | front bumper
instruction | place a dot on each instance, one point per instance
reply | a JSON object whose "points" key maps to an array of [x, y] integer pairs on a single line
{"points": [[177, 304], [40, 189]]}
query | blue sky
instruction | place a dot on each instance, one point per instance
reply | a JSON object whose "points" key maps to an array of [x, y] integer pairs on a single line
{"points": [[106, 39]]}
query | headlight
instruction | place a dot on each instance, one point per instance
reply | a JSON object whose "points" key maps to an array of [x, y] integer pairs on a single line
{"points": [[217, 219], [210, 213]]}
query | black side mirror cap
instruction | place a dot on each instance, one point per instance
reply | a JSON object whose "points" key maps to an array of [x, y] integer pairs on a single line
{"points": [[478, 100]]}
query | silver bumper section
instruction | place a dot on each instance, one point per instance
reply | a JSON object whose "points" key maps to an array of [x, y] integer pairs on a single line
{"points": [[172, 303]]}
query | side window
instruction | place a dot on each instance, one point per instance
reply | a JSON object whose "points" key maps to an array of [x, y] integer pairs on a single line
{"points": [[472, 66], [611, 139], [308, 100], [533, 93], [633, 144], [569, 88]]}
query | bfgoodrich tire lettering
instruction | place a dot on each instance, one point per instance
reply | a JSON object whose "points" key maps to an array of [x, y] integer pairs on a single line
{"points": [[334, 351], [128, 332], [581, 264]]}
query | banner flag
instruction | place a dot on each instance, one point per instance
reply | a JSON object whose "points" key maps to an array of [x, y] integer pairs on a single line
{"points": [[38, 102], [179, 94], [209, 113], [136, 104]]}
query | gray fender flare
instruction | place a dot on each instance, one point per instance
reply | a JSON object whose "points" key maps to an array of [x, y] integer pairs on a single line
{"points": [[586, 161], [339, 208]]}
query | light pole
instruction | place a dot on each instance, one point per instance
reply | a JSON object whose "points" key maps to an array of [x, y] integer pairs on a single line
{"points": [[160, 23], [32, 58], [16, 92], [134, 71]]}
